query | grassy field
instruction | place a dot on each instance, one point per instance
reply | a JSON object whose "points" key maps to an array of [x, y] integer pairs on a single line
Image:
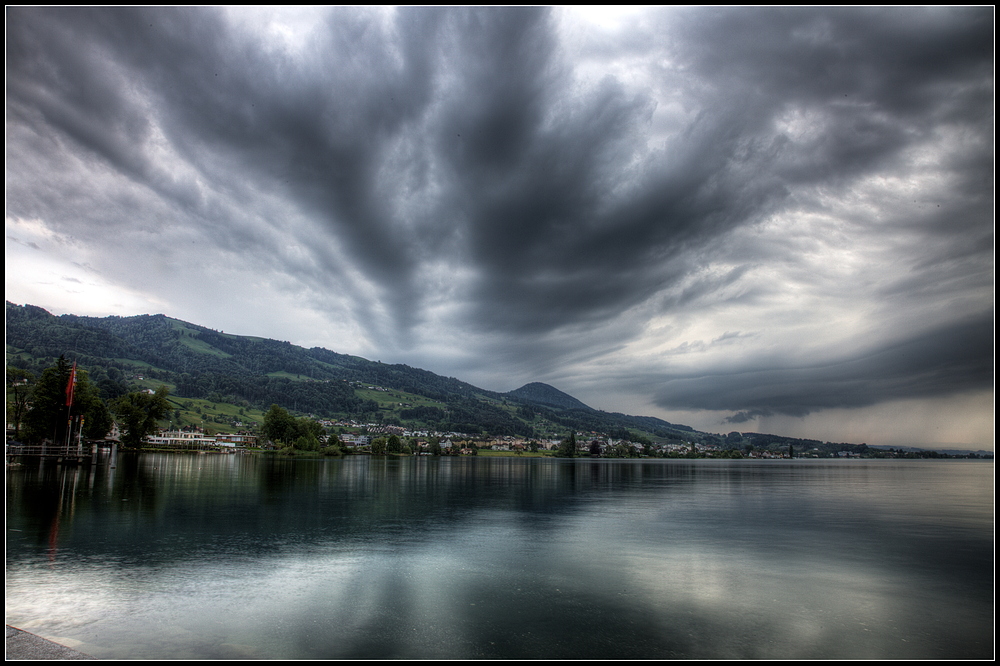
{"points": [[220, 417]]}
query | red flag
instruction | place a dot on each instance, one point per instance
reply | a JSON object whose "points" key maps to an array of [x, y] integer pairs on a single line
{"points": [[70, 386]]}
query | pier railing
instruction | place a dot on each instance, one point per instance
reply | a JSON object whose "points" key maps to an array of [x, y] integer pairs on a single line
{"points": [[49, 450]]}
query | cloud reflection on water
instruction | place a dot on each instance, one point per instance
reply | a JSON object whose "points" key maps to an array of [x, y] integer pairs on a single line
{"points": [[506, 558]]}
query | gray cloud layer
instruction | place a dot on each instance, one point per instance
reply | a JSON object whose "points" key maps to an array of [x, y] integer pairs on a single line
{"points": [[942, 361], [543, 196]]}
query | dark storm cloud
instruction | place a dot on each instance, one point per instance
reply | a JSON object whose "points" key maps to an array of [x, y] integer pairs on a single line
{"points": [[942, 361], [421, 143], [245, 117], [564, 231]]}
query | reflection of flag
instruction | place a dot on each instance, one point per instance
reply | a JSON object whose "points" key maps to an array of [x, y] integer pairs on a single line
{"points": [[70, 386]]}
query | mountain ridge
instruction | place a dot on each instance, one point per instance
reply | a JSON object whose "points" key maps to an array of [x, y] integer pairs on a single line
{"points": [[546, 394], [200, 362], [201, 365]]}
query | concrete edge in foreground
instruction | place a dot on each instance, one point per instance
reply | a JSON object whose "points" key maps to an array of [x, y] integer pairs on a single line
{"points": [[24, 645]]}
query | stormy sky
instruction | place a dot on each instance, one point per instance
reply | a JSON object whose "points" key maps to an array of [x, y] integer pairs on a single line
{"points": [[777, 220]]}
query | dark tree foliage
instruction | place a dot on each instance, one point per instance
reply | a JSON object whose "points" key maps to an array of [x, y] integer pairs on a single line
{"points": [[283, 428], [483, 416], [19, 385], [279, 425], [425, 414], [50, 415], [138, 414], [567, 448]]}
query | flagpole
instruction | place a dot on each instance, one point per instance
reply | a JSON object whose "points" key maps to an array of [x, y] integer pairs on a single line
{"points": [[70, 388]]}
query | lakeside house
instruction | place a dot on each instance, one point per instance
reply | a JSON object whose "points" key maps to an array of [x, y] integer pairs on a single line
{"points": [[182, 439]]}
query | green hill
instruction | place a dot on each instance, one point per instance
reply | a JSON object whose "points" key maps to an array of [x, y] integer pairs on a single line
{"points": [[227, 381], [543, 394], [210, 368]]}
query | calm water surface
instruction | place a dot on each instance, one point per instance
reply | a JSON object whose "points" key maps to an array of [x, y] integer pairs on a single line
{"points": [[234, 557]]}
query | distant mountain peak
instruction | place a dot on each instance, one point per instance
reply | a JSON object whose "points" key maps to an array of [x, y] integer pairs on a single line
{"points": [[543, 394]]}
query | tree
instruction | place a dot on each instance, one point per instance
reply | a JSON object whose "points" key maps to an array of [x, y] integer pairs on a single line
{"points": [[19, 384], [97, 419], [61, 393], [138, 413], [307, 442], [567, 448], [311, 430], [279, 425], [283, 428]]}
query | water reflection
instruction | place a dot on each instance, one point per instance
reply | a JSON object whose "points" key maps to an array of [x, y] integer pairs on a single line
{"points": [[256, 557]]}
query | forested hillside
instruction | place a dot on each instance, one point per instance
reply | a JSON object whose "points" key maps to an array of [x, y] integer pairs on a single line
{"points": [[208, 367], [198, 362]]}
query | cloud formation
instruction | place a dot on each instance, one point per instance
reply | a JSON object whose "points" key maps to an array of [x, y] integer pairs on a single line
{"points": [[744, 211]]}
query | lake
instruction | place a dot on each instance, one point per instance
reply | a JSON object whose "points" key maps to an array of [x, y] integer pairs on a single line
{"points": [[255, 557]]}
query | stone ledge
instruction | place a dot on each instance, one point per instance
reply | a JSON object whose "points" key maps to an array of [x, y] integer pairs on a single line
{"points": [[23, 645]]}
